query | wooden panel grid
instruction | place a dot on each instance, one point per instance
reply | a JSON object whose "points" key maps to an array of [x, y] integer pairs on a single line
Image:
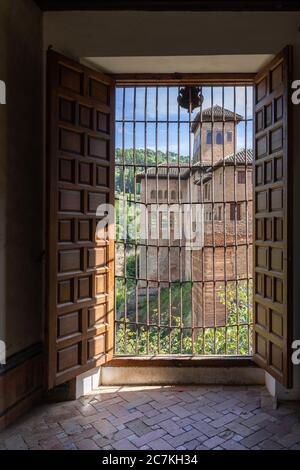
{"points": [[80, 178], [272, 222]]}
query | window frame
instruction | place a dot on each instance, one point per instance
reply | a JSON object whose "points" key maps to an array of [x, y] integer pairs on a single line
{"points": [[239, 79], [243, 174], [235, 211], [231, 135]]}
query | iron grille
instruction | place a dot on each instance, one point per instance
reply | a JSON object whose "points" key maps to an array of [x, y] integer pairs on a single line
{"points": [[184, 222]]}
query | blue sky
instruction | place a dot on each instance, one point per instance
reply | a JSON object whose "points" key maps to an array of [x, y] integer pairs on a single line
{"points": [[241, 96]]}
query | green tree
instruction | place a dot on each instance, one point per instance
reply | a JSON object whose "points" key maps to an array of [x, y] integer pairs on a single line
{"points": [[237, 299], [233, 339]]}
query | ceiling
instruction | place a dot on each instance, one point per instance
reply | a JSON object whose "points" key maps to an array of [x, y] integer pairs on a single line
{"points": [[181, 64], [175, 5]]}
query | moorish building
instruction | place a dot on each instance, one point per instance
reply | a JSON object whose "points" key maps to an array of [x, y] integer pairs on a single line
{"points": [[219, 184]]}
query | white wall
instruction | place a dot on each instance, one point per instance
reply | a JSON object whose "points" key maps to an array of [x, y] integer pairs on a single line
{"points": [[99, 34]]}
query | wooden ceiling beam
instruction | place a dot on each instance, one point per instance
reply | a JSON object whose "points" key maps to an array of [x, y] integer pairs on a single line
{"points": [[142, 79], [170, 5]]}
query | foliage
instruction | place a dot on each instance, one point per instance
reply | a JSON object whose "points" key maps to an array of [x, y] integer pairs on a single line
{"points": [[131, 266], [147, 157], [124, 182], [237, 298], [232, 339]]}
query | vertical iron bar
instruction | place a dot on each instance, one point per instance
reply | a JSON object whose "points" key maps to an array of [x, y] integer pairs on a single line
{"points": [[191, 219], [168, 185], [225, 235], [180, 205], [247, 216], [201, 282], [157, 179], [125, 222], [146, 222], [168, 202], [235, 198], [212, 219], [135, 230]]}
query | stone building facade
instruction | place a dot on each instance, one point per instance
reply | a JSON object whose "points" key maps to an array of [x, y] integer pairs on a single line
{"points": [[218, 185]]}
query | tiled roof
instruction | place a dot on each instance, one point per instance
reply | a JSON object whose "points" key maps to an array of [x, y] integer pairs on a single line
{"points": [[240, 158], [215, 113], [163, 171]]}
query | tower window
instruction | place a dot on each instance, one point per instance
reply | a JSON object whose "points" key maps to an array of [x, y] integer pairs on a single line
{"points": [[241, 177], [207, 192], [229, 136], [208, 137], [235, 211], [219, 137]]}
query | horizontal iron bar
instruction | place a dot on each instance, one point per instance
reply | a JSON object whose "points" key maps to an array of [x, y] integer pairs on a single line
{"points": [[180, 360]]}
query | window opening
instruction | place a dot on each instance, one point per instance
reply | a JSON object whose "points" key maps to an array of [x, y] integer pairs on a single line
{"points": [[184, 221]]}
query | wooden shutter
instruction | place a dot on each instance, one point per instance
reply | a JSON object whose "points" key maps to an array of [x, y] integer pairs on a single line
{"points": [[273, 219], [80, 148]]}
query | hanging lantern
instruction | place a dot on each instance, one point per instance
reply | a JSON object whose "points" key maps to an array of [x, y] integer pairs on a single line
{"points": [[190, 97]]}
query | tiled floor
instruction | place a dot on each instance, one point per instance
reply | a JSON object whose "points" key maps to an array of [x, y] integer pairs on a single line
{"points": [[160, 418]]}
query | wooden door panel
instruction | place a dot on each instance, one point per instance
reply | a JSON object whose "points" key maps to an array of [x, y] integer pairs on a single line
{"points": [[80, 178], [273, 219]]}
